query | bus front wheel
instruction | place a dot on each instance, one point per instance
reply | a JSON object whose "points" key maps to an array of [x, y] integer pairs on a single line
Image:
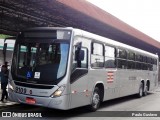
{"points": [[95, 103]]}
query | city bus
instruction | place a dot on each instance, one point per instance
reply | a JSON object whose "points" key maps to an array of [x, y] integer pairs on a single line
{"points": [[65, 68]]}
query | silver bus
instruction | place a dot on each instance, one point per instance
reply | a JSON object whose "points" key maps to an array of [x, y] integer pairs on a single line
{"points": [[65, 68]]}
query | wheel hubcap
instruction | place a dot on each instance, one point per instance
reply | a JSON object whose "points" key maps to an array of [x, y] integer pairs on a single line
{"points": [[95, 100], [146, 90], [141, 92]]}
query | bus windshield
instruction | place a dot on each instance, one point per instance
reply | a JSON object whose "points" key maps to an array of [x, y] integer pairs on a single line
{"points": [[40, 61]]}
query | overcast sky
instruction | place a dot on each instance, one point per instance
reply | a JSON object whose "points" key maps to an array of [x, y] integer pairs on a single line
{"points": [[143, 15]]}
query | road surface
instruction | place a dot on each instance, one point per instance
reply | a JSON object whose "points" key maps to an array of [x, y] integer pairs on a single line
{"points": [[110, 110]]}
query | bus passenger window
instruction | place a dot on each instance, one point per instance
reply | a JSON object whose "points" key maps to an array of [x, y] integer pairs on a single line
{"points": [[121, 54], [154, 65], [121, 64], [121, 59], [131, 60], [109, 57], [97, 56]]}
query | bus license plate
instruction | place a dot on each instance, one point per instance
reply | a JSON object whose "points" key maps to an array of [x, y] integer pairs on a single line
{"points": [[30, 100]]}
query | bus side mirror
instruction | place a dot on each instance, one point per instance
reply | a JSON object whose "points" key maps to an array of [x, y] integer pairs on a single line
{"points": [[4, 51], [4, 48], [79, 55]]}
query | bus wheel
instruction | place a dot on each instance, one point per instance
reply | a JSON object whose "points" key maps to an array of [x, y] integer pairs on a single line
{"points": [[140, 94], [95, 100], [145, 91]]}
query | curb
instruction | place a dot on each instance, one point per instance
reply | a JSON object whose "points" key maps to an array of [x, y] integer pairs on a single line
{"points": [[7, 104]]}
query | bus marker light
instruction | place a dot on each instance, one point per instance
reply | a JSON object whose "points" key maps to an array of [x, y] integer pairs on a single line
{"points": [[85, 90], [74, 91]]}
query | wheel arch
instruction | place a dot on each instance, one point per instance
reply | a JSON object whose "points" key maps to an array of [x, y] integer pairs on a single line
{"points": [[148, 84], [100, 85], [143, 82]]}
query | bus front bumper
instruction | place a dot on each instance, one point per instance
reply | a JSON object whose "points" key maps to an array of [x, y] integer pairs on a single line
{"points": [[57, 102]]}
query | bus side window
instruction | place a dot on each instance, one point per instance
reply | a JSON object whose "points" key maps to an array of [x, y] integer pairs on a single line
{"points": [[121, 58], [97, 55], [154, 65], [131, 60], [110, 57]]}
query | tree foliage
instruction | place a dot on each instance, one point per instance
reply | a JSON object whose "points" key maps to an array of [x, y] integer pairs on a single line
{"points": [[2, 36]]}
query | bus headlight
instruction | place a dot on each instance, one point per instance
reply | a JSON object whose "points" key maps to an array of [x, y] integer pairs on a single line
{"points": [[10, 87], [58, 92]]}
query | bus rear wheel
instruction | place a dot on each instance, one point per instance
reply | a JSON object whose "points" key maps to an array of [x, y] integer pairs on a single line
{"points": [[95, 103], [140, 93], [145, 91]]}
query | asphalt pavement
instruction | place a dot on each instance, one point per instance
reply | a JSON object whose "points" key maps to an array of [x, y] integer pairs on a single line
{"points": [[118, 107]]}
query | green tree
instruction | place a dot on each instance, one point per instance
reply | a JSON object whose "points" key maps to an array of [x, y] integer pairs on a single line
{"points": [[2, 36]]}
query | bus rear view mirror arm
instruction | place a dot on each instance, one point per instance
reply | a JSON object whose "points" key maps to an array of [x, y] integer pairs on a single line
{"points": [[4, 51]]}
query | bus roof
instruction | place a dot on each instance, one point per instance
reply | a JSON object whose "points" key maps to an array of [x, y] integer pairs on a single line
{"points": [[111, 42], [98, 38]]}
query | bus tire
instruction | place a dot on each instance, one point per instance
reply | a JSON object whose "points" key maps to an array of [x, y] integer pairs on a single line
{"points": [[145, 91], [95, 103], [140, 93]]}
